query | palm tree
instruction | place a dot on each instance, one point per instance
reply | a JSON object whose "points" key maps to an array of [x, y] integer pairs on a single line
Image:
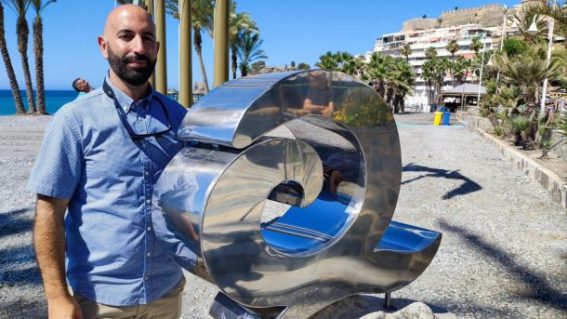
{"points": [[434, 71], [406, 51], [559, 13], [402, 81], [476, 45], [452, 47], [9, 69], [460, 69], [527, 71], [430, 53], [21, 7], [248, 51], [328, 61], [239, 24], [202, 20], [380, 72], [38, 53]]}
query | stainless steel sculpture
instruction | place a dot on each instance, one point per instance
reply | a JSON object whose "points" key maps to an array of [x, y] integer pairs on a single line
{"points": [[287, 192]]}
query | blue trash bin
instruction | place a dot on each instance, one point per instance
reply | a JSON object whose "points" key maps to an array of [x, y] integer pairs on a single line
{"points": [[446, 118]]}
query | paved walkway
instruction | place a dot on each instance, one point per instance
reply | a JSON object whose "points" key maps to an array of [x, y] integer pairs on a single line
{"points": [[504, 248], [503, 254]]}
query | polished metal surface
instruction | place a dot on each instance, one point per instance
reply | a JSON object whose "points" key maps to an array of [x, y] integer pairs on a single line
{"points": [[286, 192]]}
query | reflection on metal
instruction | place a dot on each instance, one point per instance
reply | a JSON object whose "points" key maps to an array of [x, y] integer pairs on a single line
{"points": [[287, 191]]}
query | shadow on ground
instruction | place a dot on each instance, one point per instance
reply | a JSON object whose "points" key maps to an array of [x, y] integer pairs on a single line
{"points": [[15, 221], [539, 289], [468, 186], [17, 263]]}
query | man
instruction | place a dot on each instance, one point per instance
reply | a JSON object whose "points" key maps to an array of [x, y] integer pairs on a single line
{"points": [[99, 161], [82, 86]]}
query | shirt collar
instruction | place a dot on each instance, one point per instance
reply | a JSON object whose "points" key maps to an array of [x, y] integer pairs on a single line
{"points": [[125, 101]]}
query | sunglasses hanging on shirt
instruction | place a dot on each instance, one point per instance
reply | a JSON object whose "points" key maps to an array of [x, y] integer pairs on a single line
{"points": [[122, 115]]}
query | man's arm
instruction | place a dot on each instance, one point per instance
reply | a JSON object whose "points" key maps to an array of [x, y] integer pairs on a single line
{"points": [[49, 244]]}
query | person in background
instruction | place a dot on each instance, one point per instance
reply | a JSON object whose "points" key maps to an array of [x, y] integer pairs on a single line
{"points": [[94, 179], [82, 86]]}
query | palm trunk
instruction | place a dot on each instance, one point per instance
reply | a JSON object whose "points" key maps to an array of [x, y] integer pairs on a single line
{"points": [[38, 54], [23, 33], [234, 61], [197, 40], [20, 109]]}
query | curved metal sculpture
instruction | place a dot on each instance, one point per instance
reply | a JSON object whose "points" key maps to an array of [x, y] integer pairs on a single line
{"points": [[287, 192]]}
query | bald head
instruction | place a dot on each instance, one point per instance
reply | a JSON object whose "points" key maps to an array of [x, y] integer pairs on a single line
{"points": [[127, 13], [129, 44]]}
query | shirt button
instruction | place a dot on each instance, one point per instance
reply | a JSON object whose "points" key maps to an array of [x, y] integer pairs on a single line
{"points": [[148, 201], [147, 173], [148, 254], [146, 278], [149, 228]]}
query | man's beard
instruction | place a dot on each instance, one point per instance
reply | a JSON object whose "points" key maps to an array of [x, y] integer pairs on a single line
{"points": [[132, 76]]}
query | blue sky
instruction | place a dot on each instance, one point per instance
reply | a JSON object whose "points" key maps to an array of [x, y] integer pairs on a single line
{"points": [[298, 30]]}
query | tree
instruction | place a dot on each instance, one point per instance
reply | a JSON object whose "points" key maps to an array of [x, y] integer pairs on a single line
{"points": [[476, 45], [406, 51], [257, 66], [527, 71], [401, 83], [557, 12], [434, 70], [514, 46], [38, 6], [303, 66], [239, 24], [379, 72], [20, 109], [202, 15], [327, 61], [22, 30], [452, 47], [248, 51], [460, 69]]}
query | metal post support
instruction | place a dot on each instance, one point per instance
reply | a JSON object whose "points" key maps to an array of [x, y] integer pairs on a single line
{"points": [[151, 10], [185, 69], [161, 66], [222, 8]]}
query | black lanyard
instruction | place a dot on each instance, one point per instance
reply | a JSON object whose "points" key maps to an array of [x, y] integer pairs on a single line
{"points": [[122, 115]]}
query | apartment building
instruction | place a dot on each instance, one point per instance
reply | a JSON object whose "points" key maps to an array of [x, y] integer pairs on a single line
{"points": [[461, 24]]}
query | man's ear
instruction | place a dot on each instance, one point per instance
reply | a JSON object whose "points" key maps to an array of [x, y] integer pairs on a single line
{"points": [[157, 46], [102, 45]]}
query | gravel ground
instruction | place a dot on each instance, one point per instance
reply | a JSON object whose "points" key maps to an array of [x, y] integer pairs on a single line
{"points": [[503, 254]]}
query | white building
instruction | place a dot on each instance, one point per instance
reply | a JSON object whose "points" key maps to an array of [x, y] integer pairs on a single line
{"points": [[438, 38]]}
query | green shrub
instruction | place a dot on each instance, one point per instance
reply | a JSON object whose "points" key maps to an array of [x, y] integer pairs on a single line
{"points": [[520, 124], [500, 130]]}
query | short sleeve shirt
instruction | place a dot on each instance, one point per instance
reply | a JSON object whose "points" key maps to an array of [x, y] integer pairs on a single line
{"points": [[87, 156]]}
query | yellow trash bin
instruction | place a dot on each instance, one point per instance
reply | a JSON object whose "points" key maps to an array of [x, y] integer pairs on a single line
{"points": [[437, 118]]}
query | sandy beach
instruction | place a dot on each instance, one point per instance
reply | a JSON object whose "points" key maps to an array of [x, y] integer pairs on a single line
{"points": [[503, 255]]}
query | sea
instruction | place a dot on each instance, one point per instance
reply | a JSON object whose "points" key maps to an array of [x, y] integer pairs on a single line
{"points": [[54, 99]]}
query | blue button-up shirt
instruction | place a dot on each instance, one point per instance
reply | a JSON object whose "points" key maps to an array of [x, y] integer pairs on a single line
{"points": [[87, 156]]}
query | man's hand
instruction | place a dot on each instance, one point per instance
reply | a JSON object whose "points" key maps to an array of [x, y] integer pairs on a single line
{"points": [[64, 308]]}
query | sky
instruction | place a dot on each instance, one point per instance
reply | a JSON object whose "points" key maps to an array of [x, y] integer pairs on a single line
{"points": [[292, 30]]}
